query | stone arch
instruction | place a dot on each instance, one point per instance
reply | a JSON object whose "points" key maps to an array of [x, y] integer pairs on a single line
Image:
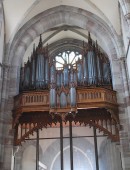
{"points": [[63, 15], [70, 16]]}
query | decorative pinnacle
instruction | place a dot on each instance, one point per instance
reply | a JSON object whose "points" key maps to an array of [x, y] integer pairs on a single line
{"points": [[89, 39], [96, 44], [40, 41], [34, 48]]}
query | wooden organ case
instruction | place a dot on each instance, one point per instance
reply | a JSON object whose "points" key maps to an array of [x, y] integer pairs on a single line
{"points": [[80, 92]]}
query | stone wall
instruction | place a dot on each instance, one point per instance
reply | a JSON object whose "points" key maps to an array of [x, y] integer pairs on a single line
{"points": [[111, 43]]}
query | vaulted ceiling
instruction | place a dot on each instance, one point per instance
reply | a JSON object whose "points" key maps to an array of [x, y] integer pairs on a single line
{"points": [[19, 13]]}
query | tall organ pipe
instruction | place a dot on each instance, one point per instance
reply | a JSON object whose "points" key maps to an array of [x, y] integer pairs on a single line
{"points": [[52, 74], [21, 78], [85, 69], [52, 86], [72, 88], [52, 97], [33, 72], [63, 99], [40, 71], [71, 79], [72, 96], [92, 78], [79, 72], [99, 69], [58, 79], [61, 78], [106, 73], [27, 76], [46, 71], [66, 75]]}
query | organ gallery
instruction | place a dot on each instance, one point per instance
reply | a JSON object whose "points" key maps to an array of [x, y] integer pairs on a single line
{"points": [[66, 89]]}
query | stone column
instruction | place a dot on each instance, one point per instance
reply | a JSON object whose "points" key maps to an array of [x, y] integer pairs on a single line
{"points": [[125, 4], [2, 113], [125, 132]]}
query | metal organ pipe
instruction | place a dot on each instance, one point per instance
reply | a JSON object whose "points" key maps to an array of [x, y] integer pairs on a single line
{"points": [[63, 99], [72, 77], [85, 69], [52, 97], [72, 91], [61, 77], [58, 79], [53, 86], [79, 72], [27, 76], [91, 68], [72, 96], [106, 73], [99, 70], [40, 71], [52, 73], [33, 72], [46, 71], [21, 78], [66, 75]]}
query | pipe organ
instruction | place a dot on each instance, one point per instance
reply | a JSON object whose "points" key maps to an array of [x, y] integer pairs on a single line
{"points": [[35, 73], [40, 72], [69, 85]]}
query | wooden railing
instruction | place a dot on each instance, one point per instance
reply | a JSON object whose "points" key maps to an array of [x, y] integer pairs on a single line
{"points": [[96, 97], [86, 98], [31, 101]]}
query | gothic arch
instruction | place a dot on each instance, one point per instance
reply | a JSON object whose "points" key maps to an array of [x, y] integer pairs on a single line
{"points": [[63, 15]]}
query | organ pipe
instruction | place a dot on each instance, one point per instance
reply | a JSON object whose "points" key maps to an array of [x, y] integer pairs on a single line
{"points": [[79, 72], [72, 96], [46, 72], [85, 69], [52, 97], [66, 75]]}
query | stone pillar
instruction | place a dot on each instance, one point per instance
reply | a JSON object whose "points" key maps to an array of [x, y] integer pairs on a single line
{"points": [[6, 132], [125, 132], [2, 113], [125, 4], [120, 84], [125, 77]]}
